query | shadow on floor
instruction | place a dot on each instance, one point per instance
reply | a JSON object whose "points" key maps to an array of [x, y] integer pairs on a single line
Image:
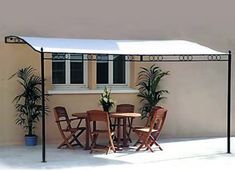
{"points": [[174, 152]]}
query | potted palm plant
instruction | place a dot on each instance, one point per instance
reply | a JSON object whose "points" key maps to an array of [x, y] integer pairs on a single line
{"points": [[28, 102], [149, 91]]}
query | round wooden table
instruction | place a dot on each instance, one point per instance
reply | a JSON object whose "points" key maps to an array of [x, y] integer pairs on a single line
{"points": [[123, 116]]}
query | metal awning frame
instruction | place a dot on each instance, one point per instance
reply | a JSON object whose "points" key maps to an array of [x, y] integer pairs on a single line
{"points": [[224, 57]]}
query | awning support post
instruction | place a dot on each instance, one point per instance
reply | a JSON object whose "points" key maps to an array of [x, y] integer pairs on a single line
{"points": [[43, 107], [229, 101]]}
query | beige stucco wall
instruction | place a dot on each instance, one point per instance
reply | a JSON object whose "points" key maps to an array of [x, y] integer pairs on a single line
{"points": [[197, 99]]}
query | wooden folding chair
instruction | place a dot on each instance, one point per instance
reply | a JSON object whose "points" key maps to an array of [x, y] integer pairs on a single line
{"points": [[149, 135], [125, 108], [101, 117], [69, 134], [147, 124]]}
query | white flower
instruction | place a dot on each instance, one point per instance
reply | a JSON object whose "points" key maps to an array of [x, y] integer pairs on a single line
{"points": [[105, 99]]}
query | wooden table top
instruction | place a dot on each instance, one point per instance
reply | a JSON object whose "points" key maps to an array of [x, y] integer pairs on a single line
{"points": [[80, 115], [127, 115], [113, 115]]}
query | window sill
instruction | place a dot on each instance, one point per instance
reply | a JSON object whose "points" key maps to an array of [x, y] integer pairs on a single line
{"points": [[89, 91]]}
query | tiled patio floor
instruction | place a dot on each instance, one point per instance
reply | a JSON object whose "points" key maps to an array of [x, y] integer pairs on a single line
{"points": [[184, 154]]}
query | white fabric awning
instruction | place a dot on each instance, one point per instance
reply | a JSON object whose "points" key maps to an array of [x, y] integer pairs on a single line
{"points": [[127, 47]]}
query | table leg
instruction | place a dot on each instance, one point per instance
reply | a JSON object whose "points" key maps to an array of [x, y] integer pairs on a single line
{"points": [[118, 132], [87, 145], [124, 133]]}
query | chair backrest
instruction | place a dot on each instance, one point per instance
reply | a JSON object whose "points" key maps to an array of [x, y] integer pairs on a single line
{"points": [[60, 113], [158, 119], [98, 116], [61, 116], [154, 109], [125, 108]]}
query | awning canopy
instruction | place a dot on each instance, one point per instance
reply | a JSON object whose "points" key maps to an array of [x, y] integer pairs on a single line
{"points": [[127, 47]]}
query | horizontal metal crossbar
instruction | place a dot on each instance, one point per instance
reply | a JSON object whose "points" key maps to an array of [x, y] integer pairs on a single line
{"points": [[157, 58]]}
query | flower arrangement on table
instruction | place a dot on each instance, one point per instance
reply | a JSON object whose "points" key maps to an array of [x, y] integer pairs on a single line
{"points": [[106, 101]]}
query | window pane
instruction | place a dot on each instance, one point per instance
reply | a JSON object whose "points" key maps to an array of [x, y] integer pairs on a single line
{"points": [[58, 69], [58, 72], [76, 69], [119, 69], [102, 69]]}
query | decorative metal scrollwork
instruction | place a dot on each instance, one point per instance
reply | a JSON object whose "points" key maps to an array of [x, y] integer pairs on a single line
{"points": [[185, 58], [58, 56], [160, 58], [129, 58], [13, 39], [151, 58], [90, 57], [214, 57], [155, 58]]}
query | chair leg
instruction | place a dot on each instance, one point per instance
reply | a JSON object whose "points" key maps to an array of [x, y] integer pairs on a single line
{"points": [[66, 141], [130, 121], [141, 145], [114, 125], [70, 146], [142, 138], [148, 144], [154, 141], [93, 141], [139, 140], [160, 147], [112, 145], [108, 150], [61, 145], [149, 148], [145, 141], [76, 138]]}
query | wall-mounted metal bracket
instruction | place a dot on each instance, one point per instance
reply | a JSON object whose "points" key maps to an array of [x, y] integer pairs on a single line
{"points": [[14, 39]]}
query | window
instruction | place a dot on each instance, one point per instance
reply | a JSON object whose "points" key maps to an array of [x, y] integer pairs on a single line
{"points": [[113, 72], [102, 72], [119, 69], [68, 69], [76, 69], [58, 69]]}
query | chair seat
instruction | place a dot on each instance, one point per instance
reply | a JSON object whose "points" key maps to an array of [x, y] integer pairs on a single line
{"points": [[137, 127], [146, 129]]}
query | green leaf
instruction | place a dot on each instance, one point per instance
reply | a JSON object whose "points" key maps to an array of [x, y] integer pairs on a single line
{"points": [[28, 101], [148, 85]]}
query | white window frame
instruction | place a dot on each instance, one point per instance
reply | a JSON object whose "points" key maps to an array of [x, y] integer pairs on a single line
{"points": [[67, 85], [110, 79]]}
